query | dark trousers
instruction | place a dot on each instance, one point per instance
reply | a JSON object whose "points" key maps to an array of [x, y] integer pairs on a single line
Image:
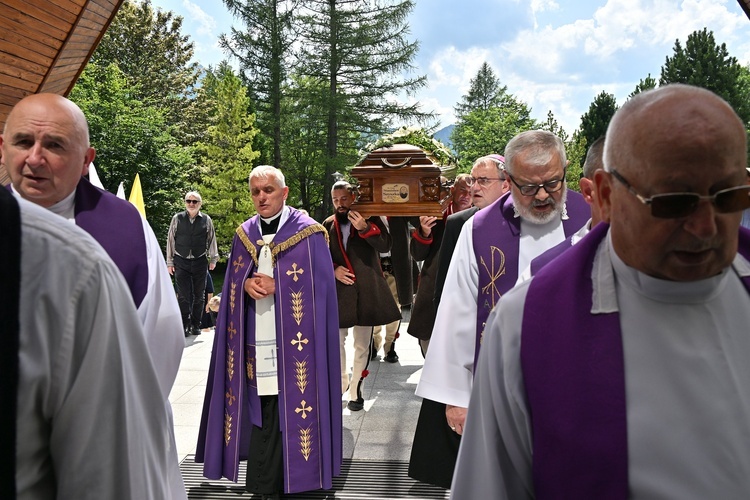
{"points": [[265, 460], [190, 278]]}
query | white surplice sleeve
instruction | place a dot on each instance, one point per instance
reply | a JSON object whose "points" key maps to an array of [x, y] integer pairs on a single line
{"points": [[449, 364], [160, 316], [91, 422], [494, 460]]}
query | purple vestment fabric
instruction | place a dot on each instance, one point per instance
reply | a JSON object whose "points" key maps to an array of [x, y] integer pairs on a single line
{"points": [[573, 372], [116, 224], [496, 235], [308, 345]]}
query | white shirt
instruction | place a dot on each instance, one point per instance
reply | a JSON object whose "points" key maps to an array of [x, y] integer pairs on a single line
{"points": [[161, 320], [687, 379], [89, 424], [266, 351], [575, 238], [448, 371]]}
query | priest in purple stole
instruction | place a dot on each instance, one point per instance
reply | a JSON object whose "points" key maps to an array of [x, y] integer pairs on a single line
{"points": [[496, 244], [620, 371], [46, 151], [274, 400]]}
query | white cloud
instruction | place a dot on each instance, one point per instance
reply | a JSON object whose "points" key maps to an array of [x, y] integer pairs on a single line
{"points": [[454, 68], [205, 22]]}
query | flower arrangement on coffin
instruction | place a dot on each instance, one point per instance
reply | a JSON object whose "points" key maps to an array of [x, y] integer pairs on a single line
{"points": [[436, 151]]}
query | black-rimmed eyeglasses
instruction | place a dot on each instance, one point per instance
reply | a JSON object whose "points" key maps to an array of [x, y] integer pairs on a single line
{"points": [[551, 186], [676, 205], [192, 202]]}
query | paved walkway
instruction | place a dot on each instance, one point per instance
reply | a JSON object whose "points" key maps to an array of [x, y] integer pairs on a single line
{"points": [[382, 431]]}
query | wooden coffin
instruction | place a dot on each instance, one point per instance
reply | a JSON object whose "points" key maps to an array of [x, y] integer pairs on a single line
{"points": [[400, 180]]}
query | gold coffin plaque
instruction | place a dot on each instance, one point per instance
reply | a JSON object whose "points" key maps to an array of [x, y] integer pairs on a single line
{"points": [[399, 180]]}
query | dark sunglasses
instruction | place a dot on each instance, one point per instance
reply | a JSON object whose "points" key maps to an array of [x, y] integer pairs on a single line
{"points": [[192, 202], [676, 205]]}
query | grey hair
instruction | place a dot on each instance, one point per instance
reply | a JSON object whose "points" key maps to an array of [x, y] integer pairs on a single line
{"points": [[594, 160], [538, 147], [492, 161], [266, 171], [194, 193]]}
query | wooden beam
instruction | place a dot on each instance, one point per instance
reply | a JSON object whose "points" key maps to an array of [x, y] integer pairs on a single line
{"points": [[745, 4]]}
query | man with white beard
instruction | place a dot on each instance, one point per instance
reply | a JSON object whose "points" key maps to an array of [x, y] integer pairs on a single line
{"points": [[495, 245]]}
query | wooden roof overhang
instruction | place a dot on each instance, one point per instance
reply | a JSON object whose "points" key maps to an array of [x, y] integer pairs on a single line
{"points": [[45, 44], [745, 4]]}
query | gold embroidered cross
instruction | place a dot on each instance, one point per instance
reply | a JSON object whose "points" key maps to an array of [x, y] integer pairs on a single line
{"points": [[295, 272], [303, 409], [230, 396], [231, 330], [238, 264], [299, 341]]}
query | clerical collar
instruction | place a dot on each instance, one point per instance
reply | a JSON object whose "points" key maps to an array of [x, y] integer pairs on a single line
{"points": [[666, 291], [65, 207], [271, 224]]}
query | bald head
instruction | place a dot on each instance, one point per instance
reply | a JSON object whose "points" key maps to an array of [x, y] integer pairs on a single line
{"points": [[674, 139], [67, 110], [45, 147], [692, 116]]}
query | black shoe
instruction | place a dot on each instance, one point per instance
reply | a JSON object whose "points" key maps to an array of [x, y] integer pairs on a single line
{"points": [[391, 357], [188, 331], [373, 351], [356, 405], [196, 330]]}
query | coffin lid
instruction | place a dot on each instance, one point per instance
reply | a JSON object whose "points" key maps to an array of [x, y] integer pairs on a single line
{"points": [[396, 156]]}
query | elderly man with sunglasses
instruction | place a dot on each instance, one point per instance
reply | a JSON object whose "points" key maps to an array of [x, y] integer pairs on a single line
{"points": [[191, 238], [621, 371], [494, 246]]}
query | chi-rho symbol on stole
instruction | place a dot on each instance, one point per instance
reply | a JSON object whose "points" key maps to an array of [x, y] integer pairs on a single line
{"points": [[494, 269]]}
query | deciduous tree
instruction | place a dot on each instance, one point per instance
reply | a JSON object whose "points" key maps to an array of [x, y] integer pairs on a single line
{"points": [[226, 154]]}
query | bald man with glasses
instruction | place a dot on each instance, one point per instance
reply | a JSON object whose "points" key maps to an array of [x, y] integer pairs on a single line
{"points": [[621, 371]]}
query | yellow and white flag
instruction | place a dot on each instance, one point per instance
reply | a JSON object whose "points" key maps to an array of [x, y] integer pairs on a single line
{"points": [[136, 196]]}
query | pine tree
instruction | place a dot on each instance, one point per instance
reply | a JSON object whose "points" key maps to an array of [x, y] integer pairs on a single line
{"points": [[485, 92], [360, 52], [645, 84], [226, 155], [705, 64], [595, 121], [488, 117], [263, 49]]}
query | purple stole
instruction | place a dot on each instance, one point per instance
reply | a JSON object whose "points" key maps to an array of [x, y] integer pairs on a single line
{"points": [[550, 255], [496, 235], [116, 224], [573, 371], [308, 359]]}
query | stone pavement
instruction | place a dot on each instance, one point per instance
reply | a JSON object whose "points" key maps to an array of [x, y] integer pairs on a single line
{"points": [[382, 431]]}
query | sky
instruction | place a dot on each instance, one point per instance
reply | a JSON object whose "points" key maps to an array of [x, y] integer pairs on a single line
{"points": [[555, 55]]}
